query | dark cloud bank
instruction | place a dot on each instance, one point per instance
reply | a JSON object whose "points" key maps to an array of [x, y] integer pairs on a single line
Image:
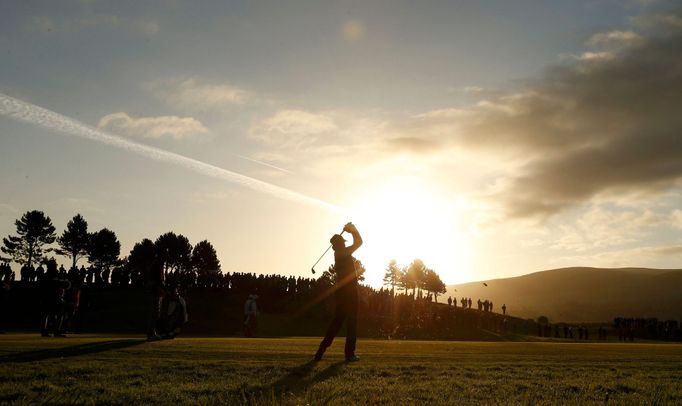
{"points": [[609, 122]]}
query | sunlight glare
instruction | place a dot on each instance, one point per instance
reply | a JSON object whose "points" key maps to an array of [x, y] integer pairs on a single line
{"points": [[404, 219]]}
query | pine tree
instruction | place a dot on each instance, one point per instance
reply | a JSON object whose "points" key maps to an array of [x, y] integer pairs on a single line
{"points": [[392, 275], [73, 243], [35, 231], [103, 249], [205, 262]]}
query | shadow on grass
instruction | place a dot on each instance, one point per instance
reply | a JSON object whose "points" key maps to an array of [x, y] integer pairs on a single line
{"points": [[296, 381], [72, 351]]}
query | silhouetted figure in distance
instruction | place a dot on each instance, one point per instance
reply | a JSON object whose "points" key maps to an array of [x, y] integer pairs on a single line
{"points": [[346, 293], [155, 289], [173, 314], [40, 273], [5, 279], [250, 316]]}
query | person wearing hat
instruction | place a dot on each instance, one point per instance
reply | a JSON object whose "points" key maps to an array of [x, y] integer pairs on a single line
{"points": [[346, 293]]}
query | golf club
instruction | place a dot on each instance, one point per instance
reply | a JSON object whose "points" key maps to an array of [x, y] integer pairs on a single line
{"points": [[322, 256]]}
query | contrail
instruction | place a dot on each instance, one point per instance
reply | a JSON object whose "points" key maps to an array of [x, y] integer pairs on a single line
{"points": [[262, 163], [33, 114]]}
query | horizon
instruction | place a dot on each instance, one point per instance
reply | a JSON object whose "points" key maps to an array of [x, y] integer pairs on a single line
{"points": [[489, 140]]}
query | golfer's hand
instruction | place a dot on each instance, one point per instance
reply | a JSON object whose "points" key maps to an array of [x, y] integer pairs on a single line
{"points": [[350, 228]]}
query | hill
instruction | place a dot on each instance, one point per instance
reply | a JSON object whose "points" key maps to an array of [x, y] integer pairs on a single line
{"points": [[583, 294]]}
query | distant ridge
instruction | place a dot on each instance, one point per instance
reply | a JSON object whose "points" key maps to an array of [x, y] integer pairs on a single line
{"points": [[583, 294]]}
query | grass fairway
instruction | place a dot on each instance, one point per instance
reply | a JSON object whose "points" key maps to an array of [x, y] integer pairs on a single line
{"points": [[123, 370]]}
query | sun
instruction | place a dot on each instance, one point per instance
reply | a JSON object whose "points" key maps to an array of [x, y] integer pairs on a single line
{"points": [[406, 218]]}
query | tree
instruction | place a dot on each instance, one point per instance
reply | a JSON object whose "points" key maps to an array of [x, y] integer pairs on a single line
{"points": [[359, 270], [205, 261], [35, 231], [415, 276], [103, 249], [404, 283], [433, 283], [73, 243], [142, 257], [174, 251], [392, 275], [331, 275]]}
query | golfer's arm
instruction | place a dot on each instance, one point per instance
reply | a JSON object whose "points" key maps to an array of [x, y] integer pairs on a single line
{"points": [[357, 242]]}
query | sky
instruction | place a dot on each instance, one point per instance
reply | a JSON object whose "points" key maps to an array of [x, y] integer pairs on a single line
{"points": [[488, 138]]}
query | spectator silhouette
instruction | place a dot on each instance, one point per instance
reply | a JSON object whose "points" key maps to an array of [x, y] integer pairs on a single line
{"points": [[173, 314], [4, 296], [40, 273], [251, 316]]}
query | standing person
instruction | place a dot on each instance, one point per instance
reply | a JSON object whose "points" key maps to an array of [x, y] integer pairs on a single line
{"points": [[4, 300], [504, 309], [173, 314], [250, 316], [346, 294], [154, 279]]}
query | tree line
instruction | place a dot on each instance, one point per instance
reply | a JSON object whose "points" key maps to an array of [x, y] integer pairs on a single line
{"points": [[171, 253], [415, 276]]}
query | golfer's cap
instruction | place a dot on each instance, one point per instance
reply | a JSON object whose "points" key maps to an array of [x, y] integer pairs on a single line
{"points": [[336, 238]]}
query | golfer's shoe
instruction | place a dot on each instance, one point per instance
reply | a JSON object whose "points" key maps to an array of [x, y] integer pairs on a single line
{"points": [[153, 337], [353, 358]]}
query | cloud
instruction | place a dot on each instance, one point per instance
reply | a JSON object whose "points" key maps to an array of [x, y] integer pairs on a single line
{"points": [[412, 144], [294, 128], [45, 24], [677, 218], [353, 30], [30, 113], [602, 125], [190, 93], [148, 28], [320, 142], [639, 256], [152, 127], [601, 227], [39, 24], [614, 39], [659, 22]]}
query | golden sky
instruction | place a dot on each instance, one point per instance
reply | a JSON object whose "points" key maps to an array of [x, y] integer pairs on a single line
{"points": [[489, 139]]}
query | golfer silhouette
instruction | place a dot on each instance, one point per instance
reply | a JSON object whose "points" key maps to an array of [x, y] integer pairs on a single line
{"points": [[346, 294]]}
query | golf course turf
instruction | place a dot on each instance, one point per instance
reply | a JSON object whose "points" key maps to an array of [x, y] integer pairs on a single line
{"points": [[99, 369]]}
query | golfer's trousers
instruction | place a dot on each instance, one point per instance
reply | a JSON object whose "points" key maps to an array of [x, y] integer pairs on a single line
{"points": [[346, 310]]}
